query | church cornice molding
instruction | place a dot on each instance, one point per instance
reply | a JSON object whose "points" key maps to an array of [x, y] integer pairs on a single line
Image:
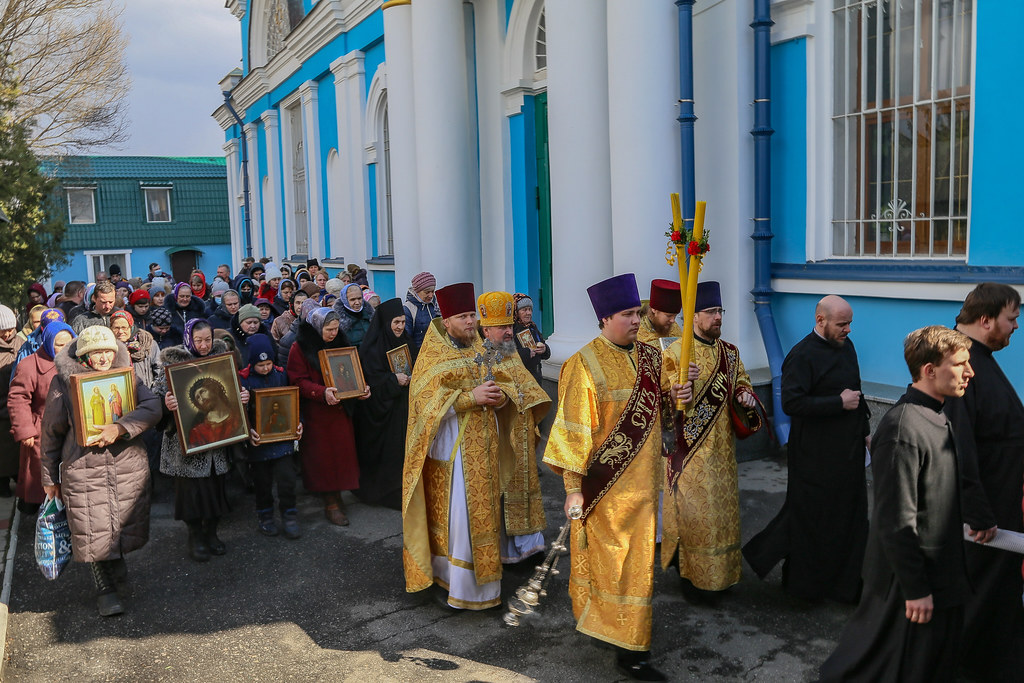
{"points": [[223, 117], [326, 21], [238, 8]]}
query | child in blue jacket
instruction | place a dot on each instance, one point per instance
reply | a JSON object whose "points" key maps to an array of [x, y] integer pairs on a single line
{"points": [[271, 462]]}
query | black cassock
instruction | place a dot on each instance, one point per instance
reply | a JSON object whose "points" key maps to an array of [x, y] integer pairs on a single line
{"points": [[822, 528], [381, 420], [989, 426]]}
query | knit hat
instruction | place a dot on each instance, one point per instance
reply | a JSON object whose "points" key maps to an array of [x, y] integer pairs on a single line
{"points": [[219, 287], [137, 296], [159, 284], [261, 302], [334, 286], [114, 269], [95, 338], [311, 290], [368, 294], [160, 317], [7, 319], [272, 271], [422, 281], [260, 349], [312, 262], [522, 301], [248, 311]]}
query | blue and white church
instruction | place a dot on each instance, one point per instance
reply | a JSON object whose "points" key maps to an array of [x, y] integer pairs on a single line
{"points": [[531, 146]]}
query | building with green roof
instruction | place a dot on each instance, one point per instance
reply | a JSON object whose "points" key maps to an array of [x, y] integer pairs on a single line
{"points": [[133, 211]]}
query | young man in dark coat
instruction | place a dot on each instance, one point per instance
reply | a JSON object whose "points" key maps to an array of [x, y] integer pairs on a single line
{"points": [[989, 425], [823, 525], [907, 626]]}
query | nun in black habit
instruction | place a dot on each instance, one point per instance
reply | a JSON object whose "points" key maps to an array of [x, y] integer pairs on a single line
{"points": [[382, 419]]}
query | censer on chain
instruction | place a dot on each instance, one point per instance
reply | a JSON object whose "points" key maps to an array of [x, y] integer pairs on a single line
{"points": [[528, 596]]}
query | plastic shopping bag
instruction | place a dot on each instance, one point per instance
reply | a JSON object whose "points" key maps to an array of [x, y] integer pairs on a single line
{"points": [[53, 538]]}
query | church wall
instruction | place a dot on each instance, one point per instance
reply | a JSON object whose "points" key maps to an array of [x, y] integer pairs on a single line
{"points": [[789, 150], [522, 161]]}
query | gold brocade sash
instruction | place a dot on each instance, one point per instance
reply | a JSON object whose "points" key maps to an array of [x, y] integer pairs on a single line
{"points": [[693, 426], [629, 434]]}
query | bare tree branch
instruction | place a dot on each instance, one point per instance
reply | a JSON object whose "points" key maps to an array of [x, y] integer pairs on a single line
{"points": [[67, 58]]}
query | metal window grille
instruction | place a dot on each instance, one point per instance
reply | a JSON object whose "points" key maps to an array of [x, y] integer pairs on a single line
{"points": [[902, 92]]}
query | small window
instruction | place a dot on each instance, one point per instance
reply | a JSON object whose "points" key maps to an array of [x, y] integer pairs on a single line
{"points": [[158, 204], [81, 206]]}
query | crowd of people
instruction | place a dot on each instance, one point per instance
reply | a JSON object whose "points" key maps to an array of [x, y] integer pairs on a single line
{"points": [[449, 436]]}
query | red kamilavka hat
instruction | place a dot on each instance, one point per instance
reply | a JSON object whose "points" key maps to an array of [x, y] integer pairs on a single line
{"points": [[456, 299], [665, 296]]}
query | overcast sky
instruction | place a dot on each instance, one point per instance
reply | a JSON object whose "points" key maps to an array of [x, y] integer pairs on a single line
{"points": [[177, 52]]}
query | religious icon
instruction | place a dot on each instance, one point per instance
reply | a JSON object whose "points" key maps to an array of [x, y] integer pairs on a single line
{"points": [[341, 370], [276, 413], [400, 360], [526, 339], [99, 399], [210, 412]]}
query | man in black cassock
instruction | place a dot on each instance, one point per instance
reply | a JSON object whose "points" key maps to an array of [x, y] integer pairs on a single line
{"points": [[989, 424], [907, 626], [822, 528]]}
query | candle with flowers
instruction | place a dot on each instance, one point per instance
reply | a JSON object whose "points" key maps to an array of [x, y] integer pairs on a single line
{"points": [[695, 243]]}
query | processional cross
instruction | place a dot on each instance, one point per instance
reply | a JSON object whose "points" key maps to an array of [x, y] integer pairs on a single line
{"points": [[488, 359]]}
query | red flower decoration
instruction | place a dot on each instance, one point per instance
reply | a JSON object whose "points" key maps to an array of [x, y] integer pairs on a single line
{"points": [[676, 236], [693, 249]]}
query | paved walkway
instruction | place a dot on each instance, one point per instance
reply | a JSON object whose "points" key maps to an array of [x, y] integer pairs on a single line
{"points": [[332, 607]]}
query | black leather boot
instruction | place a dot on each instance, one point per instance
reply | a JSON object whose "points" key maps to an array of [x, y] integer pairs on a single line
{"points": [[636, 665], [215, 545], [197, 548], [108, 603], [118, 571]]}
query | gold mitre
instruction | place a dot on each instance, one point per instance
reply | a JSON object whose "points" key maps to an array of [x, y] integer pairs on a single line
{"points": [[495, 308]]}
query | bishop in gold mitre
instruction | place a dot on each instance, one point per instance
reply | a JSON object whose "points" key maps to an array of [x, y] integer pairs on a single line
{"points": [[605, 442], [469, 410]]}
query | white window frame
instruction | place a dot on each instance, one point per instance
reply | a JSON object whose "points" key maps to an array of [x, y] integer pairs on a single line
{"points": [[92, 198], [896, 216], [103, 253], [145, 197]]}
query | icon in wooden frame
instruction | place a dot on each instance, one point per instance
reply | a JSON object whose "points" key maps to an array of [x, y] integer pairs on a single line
{"points": [[341, 369], [400, 359], [276, 413], [99, 399]]}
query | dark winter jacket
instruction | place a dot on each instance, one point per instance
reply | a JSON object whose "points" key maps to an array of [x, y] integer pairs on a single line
{"points": [[105, 490], [242, 340], [220, 319], [179, 316], [417, 317], [173, 337]]}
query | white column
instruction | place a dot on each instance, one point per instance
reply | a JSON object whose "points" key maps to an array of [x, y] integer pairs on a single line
{"points": [[495, 206], [402, 127], [314, 175], [449, 241], [255, 188], [272, 225], [581, 238], [644, 134], [234, 215], [350, 90]]}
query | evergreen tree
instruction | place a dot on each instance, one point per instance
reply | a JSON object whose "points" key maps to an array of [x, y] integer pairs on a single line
{"points": [[30, 243]]}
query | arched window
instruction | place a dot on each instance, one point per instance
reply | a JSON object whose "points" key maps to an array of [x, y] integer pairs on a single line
{"points": [[541, 44]]}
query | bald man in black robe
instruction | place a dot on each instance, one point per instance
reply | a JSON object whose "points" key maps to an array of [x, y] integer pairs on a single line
{"points": [[822, 528], [989, 424]]}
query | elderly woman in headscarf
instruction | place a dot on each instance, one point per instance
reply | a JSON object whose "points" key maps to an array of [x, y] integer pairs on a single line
{"points": [[184, 306], [328, 449], [142, 348], [200, 493], [105, 485], [283, 322], [381, 421], [353, 313], [26, 402], [523, 320]]}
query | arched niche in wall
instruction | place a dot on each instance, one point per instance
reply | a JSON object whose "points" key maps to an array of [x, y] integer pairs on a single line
{"points": [[270, 23]]}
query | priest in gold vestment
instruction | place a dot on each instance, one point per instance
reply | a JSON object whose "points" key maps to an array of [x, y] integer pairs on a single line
{"points": [[701, 508], [465, 433], [605, 443], [658, 315]]}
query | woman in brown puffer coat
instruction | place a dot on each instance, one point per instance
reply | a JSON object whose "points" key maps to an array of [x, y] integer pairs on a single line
{"points": [[105, 487]]}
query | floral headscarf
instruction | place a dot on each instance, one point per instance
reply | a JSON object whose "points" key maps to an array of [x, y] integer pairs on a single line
{"points": [[189, 343]]}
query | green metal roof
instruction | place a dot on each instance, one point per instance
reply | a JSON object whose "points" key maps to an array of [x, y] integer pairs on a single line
{"points": [[199, 200], [142, 168]]}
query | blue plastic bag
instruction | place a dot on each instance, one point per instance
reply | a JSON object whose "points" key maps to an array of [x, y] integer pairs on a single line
{"points": [[53, 538]]}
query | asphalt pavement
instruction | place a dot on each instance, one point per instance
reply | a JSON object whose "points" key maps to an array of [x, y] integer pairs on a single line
{"points": [[332, 607]]}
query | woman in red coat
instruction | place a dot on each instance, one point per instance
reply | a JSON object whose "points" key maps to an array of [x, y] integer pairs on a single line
{"points": [[328, 448], [26, 402]]}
